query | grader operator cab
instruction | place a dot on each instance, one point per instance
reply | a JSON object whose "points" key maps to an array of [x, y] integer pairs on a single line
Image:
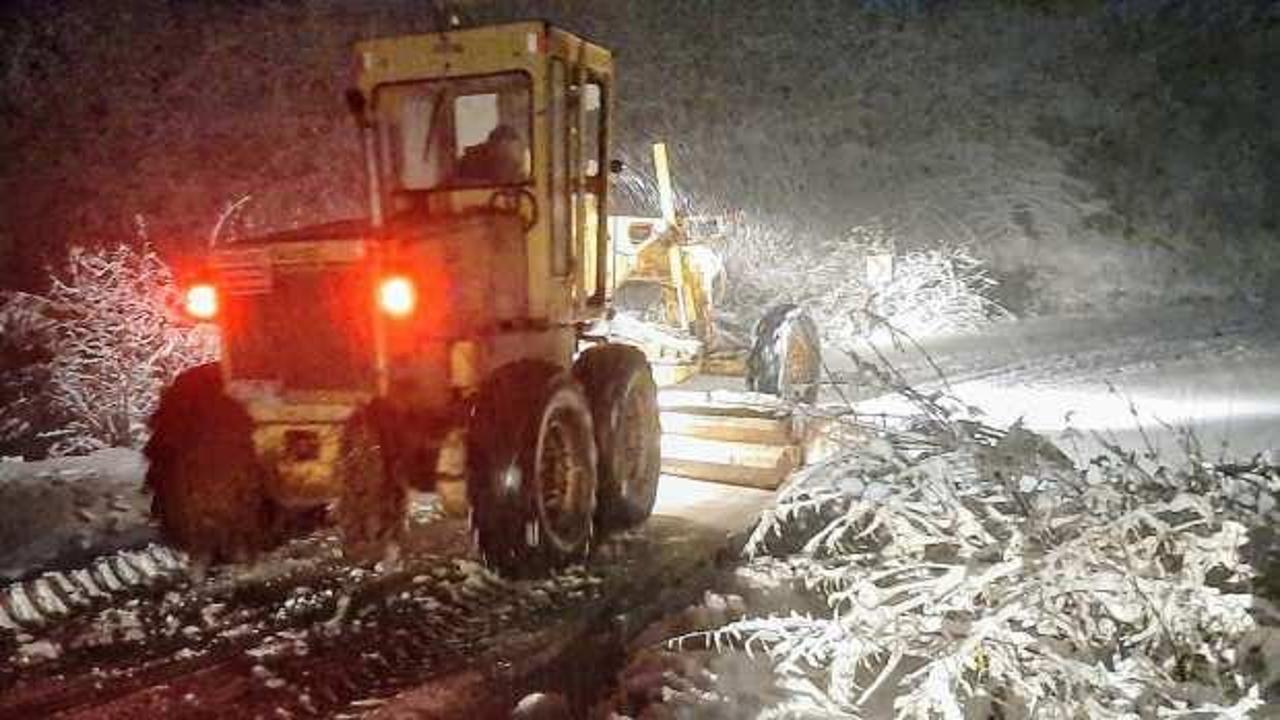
{"points": [[454, 341]]}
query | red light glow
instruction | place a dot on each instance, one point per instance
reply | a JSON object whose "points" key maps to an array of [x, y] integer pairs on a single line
{"points": [[201, 301], [396, 296]]}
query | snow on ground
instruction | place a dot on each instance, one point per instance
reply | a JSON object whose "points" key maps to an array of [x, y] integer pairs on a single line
{"points": [[954, 570], [56, 513], [1212, 366], [869, 590], [1212, 369]]}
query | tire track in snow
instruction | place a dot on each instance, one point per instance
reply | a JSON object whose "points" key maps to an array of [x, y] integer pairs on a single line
{"points": [[40, 602], [320, 638]]}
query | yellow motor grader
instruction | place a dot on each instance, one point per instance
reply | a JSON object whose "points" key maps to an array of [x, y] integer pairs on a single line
{"points": [[458, 339]]}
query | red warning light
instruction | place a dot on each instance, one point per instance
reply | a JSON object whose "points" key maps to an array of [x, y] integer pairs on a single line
{"points": [[396, 296], [201, 301]]}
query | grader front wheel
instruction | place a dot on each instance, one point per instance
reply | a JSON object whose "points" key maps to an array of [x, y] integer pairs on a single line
{"points": [[785, 358]]}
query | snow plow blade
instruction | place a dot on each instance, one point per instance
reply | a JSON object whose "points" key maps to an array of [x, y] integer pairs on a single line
{"points": [[734, 438]]}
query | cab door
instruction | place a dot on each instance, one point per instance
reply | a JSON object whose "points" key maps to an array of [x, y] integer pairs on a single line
{"points": [[578, 126]]}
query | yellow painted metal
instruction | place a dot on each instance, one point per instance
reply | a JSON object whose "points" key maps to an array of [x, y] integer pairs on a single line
{"points": [[315, 253], [554, 303], [753, 464], [732, 437], [669, 258], [232, 260], [731, 428], [465, 366], [451, 469], [591, 250], [290, 408], [731, 364], [471, 51], [678, 295], [299, 482], [452, 492], [666, 198], [527, 47]]}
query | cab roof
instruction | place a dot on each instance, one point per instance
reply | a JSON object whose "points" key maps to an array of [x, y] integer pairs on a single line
{"points": [[483, 50]]}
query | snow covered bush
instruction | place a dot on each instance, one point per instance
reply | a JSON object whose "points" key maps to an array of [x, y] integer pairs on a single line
{"points": [[975, 572], [24, 369], [865, 282], [114, 343]]}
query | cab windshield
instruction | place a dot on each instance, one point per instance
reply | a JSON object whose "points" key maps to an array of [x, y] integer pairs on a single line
{"points": [[454, 133]]}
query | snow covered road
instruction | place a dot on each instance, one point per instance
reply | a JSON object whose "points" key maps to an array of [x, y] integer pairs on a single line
{"points": [[63, 512], [1148, 377]]}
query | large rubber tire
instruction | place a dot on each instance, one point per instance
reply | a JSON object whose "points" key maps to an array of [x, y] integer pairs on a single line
{"points": [[624, 411], [531, 471], [786, 355], [208, 488], [373, 503]]}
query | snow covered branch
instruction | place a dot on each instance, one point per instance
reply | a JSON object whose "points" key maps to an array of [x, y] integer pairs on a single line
{"points": [[114, 343], [863, 283], [979, 570]]}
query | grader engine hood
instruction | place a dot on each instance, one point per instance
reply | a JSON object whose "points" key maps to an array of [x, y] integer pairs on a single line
{"points": [[319, 321], [292, 313], [336, 313], [298, 343]]}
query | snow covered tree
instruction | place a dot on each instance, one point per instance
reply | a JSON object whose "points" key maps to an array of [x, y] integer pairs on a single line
{"points": [[865, 281], [24, 370], [115, 342]]}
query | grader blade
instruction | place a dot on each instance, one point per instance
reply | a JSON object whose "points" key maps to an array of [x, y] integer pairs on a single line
{"points": [[734, 438]]}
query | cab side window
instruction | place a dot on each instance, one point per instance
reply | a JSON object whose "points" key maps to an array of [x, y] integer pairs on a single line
{"points": [[558, 121], [589, 210]]}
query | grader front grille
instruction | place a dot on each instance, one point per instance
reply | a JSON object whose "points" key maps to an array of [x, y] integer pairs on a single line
{"points": [[306, 327]]}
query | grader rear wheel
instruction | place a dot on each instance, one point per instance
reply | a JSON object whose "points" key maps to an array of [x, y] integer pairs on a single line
{"points": [[624, 410], [208, 489], [531, 473]]}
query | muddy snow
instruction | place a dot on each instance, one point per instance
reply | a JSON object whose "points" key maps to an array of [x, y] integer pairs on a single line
{"points": [[58, 513]]}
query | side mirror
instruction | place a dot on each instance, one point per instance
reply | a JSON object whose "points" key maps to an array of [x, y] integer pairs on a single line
{"points": [[615, 166], [356, 104]]}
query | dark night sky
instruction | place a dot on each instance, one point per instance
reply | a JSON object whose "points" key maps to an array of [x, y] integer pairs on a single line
{"points": [[1082, 147]]}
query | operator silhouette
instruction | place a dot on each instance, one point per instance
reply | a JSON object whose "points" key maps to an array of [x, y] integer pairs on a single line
{"points": [[499, 160]]}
